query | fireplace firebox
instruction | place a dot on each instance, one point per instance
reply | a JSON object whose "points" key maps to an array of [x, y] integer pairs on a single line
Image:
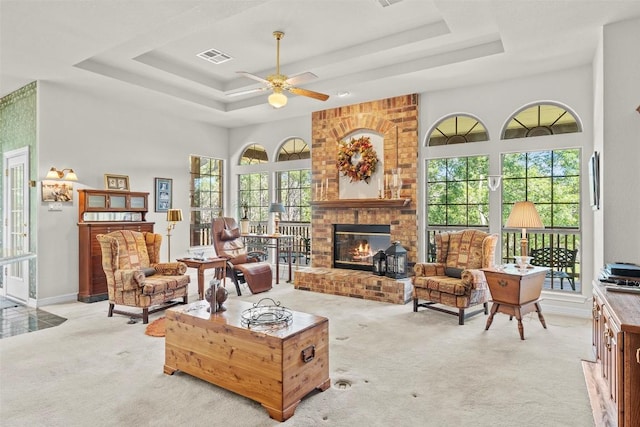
{"points": [[354, 245]]}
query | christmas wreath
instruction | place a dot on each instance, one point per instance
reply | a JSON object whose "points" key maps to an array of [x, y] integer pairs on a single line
{"points": [[357, 159]]}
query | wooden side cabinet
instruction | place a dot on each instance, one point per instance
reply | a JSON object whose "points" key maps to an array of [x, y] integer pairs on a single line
{"points": [[616, 346], [101, 212]]}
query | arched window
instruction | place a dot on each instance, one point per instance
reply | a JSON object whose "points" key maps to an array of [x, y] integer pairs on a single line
{"points": [[294, 149], [540, 120], [457, 129], [253, 155]]}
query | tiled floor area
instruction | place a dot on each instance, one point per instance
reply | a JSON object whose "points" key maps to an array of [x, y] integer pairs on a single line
{"points": [[16, 319]]}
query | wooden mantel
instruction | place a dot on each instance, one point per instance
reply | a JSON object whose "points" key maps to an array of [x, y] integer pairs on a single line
{"points": [[361, 203]]}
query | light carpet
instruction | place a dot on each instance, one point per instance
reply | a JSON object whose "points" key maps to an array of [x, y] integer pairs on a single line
{"points": [[388, 366]]}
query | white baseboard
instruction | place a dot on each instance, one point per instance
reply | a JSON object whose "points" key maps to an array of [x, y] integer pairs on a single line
{"points": [[58, 299]]}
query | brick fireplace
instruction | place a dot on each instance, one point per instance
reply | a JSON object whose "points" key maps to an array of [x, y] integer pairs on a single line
{"points": [[396, 120]]}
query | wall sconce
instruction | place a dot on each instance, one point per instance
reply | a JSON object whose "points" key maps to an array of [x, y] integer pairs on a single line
{"points": [[494, 182], [173, 216], [276, 209], [59, 174]]}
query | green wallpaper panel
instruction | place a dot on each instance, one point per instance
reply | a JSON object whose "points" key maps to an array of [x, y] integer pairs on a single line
{"points": [[18, 128]]}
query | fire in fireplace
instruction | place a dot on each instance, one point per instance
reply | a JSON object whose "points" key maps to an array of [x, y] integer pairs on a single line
{"points": [[354, 245]]}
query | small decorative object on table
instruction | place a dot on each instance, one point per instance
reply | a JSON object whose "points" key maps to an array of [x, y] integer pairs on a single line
{"points": [[270, 314], [221, 294]]}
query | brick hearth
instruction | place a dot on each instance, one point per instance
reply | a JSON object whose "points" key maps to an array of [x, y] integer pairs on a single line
{"points": [[396, 120], [355, 284]]}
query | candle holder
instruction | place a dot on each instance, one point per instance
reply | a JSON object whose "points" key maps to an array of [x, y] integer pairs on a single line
{"points": [[396, 183]]}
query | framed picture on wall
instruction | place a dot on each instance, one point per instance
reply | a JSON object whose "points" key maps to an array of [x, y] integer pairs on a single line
{"points": [[116, 182], [164, 196], [594, 181], [57, 191]]}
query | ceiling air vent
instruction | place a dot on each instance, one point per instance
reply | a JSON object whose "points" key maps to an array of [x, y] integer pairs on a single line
{"points": [[215, 56], [385, 3]]}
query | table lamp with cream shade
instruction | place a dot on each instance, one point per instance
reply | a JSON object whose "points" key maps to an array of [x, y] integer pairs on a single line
{"points": [[276, 209], [173, 216], [524, 215]]}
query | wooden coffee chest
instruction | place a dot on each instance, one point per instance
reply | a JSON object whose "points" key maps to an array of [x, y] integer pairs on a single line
{"points": [[277, 366]]}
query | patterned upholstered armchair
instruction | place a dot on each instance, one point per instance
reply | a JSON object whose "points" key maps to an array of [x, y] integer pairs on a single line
{"points": [[136, 278], [455, 279]]}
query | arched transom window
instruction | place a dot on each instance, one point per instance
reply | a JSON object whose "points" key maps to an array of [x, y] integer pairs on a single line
{"points": [[458, 129], [540, 120], [294, 149], [253, 155]]}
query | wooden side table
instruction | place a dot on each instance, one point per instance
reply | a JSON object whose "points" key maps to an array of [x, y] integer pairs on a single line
{"points": [[515, 292], [204, 264]]}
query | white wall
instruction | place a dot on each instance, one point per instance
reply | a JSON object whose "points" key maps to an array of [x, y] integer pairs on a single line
{"points": [[95, 137], [598, 145], [621, 142]]}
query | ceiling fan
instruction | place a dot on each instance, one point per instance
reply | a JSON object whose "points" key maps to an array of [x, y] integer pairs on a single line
{"points": [[278, 83]]}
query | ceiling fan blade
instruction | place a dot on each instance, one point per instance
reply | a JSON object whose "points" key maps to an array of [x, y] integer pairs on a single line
{"points": [[300, 78], [311, 94], [253, 77], [248, 91]]}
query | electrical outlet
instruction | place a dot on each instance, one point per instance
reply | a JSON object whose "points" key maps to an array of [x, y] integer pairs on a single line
{"points": [[55, 206]]}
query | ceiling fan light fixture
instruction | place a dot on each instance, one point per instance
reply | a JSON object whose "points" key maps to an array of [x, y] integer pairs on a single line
{"points": [[277, 99]]}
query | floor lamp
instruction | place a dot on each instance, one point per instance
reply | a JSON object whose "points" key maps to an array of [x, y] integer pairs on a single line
{"points": [[173, 216], [524, 215]]}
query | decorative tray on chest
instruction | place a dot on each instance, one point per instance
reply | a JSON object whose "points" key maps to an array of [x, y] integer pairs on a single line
{"points": [[267, 313]]}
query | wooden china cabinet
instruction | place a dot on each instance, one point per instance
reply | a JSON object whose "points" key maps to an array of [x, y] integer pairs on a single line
{"points": [[616, 344], [101, 212]]}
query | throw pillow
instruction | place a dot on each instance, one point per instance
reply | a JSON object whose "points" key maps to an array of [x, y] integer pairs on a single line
{"points": [[149, 271], [453, 272]]}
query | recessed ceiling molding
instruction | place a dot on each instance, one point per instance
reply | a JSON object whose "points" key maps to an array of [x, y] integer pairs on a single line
{"points": [[376, 47], [159, 62], [469, 52], [142, 81]]}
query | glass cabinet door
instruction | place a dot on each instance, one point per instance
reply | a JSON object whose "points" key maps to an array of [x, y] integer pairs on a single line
{"points": [[137, 202], [97, 201], [117, 202]]}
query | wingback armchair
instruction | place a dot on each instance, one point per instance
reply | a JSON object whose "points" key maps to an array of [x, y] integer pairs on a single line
{"points": [[136, 278], [241, 266], [455, 279]]}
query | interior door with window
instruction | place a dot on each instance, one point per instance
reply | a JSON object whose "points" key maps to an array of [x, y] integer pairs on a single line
{"points": [[16, 222]]}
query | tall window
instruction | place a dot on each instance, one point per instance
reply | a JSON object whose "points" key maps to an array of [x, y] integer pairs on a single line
{"points": [[294, 191], [254, 193], [457, 193], [293, 187], [206, 196], [550, 179]]}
